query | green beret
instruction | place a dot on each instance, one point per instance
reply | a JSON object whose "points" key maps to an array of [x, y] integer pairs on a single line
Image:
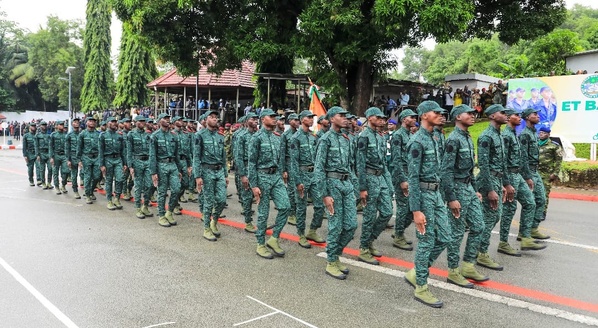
{"points": [[457, 110], [267, 112], [293, 117], [406, 113], [528, 112], [429, 106], [494, 109], [306, 113], [334, 111], [90, 118], [374, 111]]}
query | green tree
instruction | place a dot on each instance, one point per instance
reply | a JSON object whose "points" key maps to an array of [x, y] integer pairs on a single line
{"points": [[98, 81], [136, 68], [547, 53]]}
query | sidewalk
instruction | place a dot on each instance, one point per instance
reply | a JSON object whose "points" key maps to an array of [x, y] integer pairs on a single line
{"points": [[16, 144]]}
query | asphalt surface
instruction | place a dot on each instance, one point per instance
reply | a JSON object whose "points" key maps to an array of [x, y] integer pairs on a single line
{"points": [[101, 268]]}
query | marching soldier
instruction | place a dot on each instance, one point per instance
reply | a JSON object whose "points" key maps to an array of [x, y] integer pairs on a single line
{"points": [[324, 126], [128, 180], [42, 153], [549, 166], [29, 153], [184, 143], [87, 153], [58, 158], [138, 158], [285, 164], [241, 152], [70, 148], [113, 162]]}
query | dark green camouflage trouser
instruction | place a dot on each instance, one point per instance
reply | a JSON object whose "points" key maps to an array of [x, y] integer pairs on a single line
{"points": [[168, 178], [539, 198], [214, 195], [75, 174], [31, 165], [379, 200], [246, 197], [114, 173], [491, 217], [271, 187], [528, 208], [42, 164], [341, 225], [403, 217], [61, 169], [309, 188], [437, 236], [91, 173], [143, 182]]}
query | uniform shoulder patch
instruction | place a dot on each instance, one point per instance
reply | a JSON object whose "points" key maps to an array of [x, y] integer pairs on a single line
{"points": [[361, 144], [524, 141], [292, 145], [484, 144], [414, 153], [396, 142], [450, 148]]}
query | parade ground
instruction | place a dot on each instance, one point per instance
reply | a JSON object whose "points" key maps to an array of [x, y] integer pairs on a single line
{"points": [[67, 264]]}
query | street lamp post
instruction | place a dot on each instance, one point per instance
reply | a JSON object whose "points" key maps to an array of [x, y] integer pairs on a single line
{"points": [[71, 116]]}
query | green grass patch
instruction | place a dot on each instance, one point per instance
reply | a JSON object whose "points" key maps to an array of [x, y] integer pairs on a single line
{"points": [[582, 150], [474, 131]]}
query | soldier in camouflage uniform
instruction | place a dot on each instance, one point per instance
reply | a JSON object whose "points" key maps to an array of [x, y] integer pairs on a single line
{"points": [[265, 179], [493, 181], [87, 153], [29, 153], [211, 173], [516, 168], [113, 162], [185, 158], [70, 148], [138, 158], [128, 181], [285, 163], [464, 203], [397, 166], [235, 141], [58, 158], [241, 156], [375, 185], [42, 153], [549, 166], [324, 126], [164, 163], [332, 177], [301, 176], [425, 201], [530, 154]]}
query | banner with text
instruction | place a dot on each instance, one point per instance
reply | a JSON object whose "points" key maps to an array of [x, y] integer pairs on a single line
{"points": [[566, 104]]}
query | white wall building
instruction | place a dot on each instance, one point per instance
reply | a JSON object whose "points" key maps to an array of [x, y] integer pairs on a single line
{"points": [[586, 60]]}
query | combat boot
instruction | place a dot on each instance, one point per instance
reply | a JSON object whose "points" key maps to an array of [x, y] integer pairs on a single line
{"points": [[486, 261], [164, 222], [292, 220], [182, 199], [50, 186], [146, 211], [153, 198], [455, 277], [93, 197], [529, 244], [263, 252], [359, 207], [342, 267], [191, 198], [88, 200], [58, 192], [374, 251], [63, 189], [313, 236], [401, 242], [273, 244], [139, 214], [536, 234], [333, 271], [410, 278], [469, 271], [366, 256], [505, 248], [77, 195], [39, 183], [117, 203], [45, 186], [170, 218], [208, 234], [177, 210], [425, 296], [111, 205], [127, 196], [31, 184], [249, 227], [214, 227], [303, 242]]}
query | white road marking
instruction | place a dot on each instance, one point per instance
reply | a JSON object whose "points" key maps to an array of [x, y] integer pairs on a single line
{"points": [[161, 324], [559, 242], [276, 311], [45, 302], [590, 321]]}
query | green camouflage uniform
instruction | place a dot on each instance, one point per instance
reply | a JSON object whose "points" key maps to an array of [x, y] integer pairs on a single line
{"points": [[398, 170], [530, 155], [551, 158], [29, 153], [70, 148], [138, 142], [518, 172], [57, 152], [228, 148], [285, 163], [42, 152], [241, 152], [185, 158], [373, 177], [264, 172], [87, 152], [209, 164], [457, 184], [235, 141], [164, 161], [332, 176], [112, 156]]}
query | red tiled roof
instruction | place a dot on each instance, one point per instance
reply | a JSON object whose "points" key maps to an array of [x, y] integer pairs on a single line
{"points": [[229, 78]]}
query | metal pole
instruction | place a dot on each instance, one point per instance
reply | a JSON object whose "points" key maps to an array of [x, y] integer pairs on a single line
{"points": [[196, 95], [237, 107], [185, 102], [268, 99], [298, 96], [70, 108]]}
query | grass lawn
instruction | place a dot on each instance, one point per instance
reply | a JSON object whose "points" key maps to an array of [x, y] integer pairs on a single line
{"points": [[475, 131]]}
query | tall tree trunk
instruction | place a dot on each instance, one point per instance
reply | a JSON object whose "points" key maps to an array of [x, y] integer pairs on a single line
{"points": [[359, 79]]}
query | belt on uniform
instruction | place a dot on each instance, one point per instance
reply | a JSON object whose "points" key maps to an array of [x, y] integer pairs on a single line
{"points": [[374, 171], [59, 154], [92, 155], [212, 166], [433, 186], [166, 160], [337, 175], [112, 156], [268, 170], [465, 180], [513, 169], [307, 168], [496, 174], [142, 157], [533, 167]]}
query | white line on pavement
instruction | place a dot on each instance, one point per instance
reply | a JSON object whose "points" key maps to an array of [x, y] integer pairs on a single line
{"points": [[281, 312], [553, 241], [161, 324], [45, 302], [590, 321], [254, 319]]}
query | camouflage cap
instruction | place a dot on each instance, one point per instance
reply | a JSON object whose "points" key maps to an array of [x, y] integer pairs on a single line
{"points": [[110, 119], [494, 109], [406, 113], [374, 111], [267, 112], [322, 117], [528, 112], [429, 106], [140, 118], [334, 111], [250, 115], [293, 117], [306, 113], [457, 110], [163, 115]]}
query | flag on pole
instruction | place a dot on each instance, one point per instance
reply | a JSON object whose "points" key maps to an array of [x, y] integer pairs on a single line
{"points": [[315, 105]]}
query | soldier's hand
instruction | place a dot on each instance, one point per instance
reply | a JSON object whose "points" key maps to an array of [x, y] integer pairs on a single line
{"points": [[39, 159], [329, 204], [479, 196], [257, 193], [245, 182], [419, 218], [103, 169], [155, 180], [189, 170], [132, 172], [363, 195], [80, 165], [180, 176], [124, 169], [510, 193], [285, 177], [226, 180], [493, 199], [52, 161], [504, 194], [300, 189], [455, 208], [199, 184], [530, 184], [405, 188], [26, 159], [69, 164]]}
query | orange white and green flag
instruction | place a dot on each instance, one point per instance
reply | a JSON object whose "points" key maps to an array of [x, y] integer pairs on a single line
{"points": [[315, 105]]}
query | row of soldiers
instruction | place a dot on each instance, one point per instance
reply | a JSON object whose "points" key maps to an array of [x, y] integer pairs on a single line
{"points": [[339, 169]]}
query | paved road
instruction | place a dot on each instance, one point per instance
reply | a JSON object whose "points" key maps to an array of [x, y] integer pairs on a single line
{"points": [[65, 263]]}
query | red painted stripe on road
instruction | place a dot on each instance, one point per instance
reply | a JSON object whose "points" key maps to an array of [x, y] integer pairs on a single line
{"points": [[587, 198]]}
